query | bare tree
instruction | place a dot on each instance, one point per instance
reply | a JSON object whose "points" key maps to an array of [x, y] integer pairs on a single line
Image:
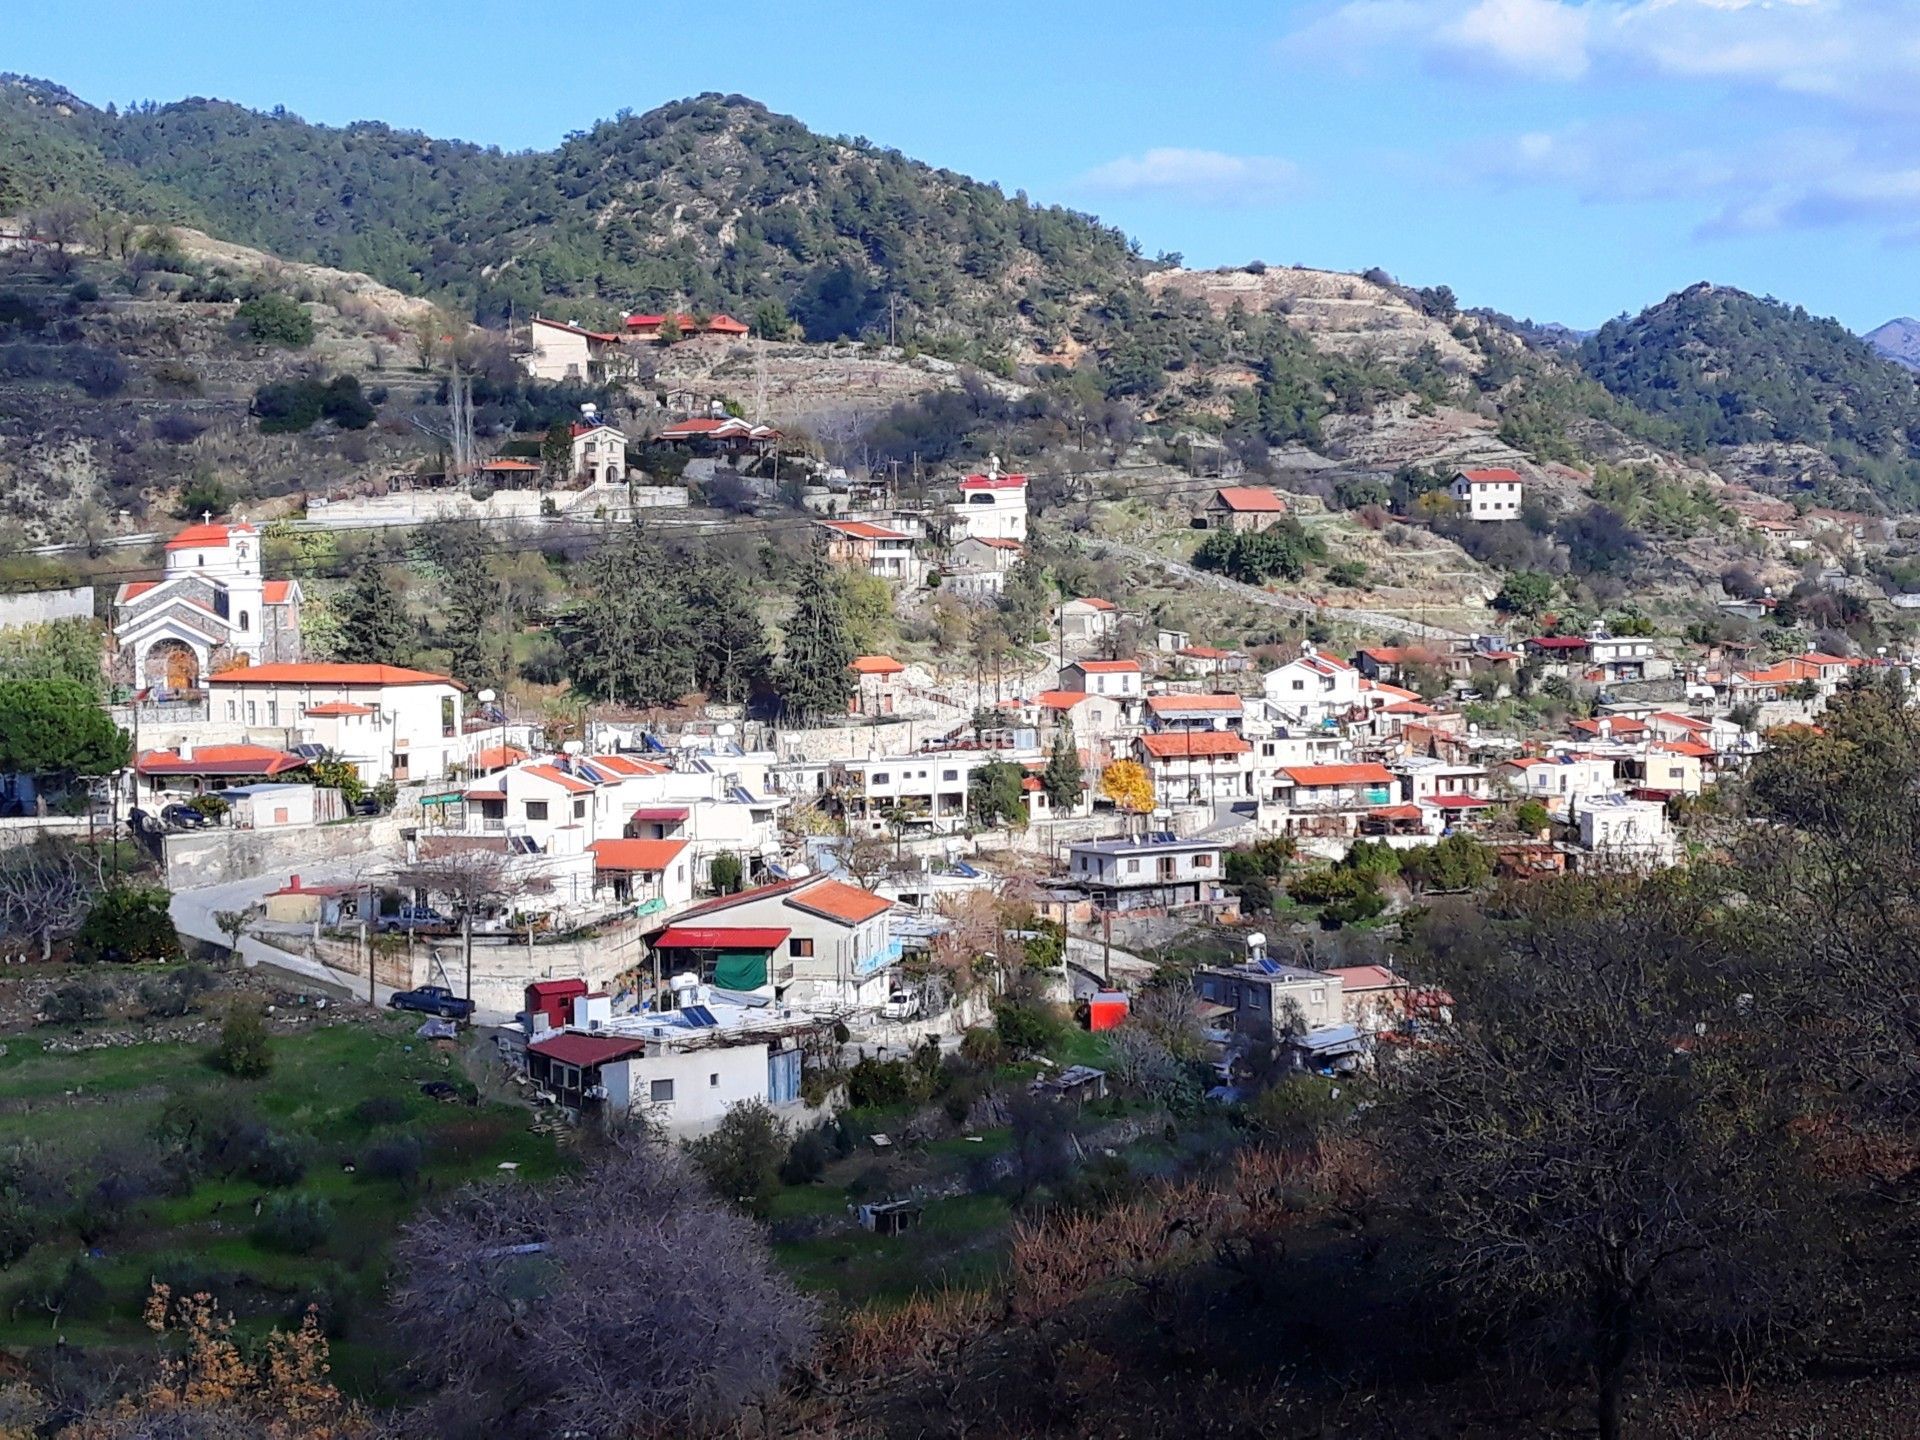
{"points": [[45, 891], [620, 1300]]}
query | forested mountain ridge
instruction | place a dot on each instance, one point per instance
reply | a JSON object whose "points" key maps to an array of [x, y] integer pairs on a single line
{"points": [[713, 202], [1728, 368]]}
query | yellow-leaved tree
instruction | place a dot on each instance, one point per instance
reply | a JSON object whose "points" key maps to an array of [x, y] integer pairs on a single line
{"points": [[1127, 784]]}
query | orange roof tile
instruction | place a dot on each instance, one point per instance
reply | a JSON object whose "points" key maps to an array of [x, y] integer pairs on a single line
{"points": [[218, 760], [1499, 475], [1174, 704], [206, 537], [836, 900], [635, 854], [1251, 500], [876, 665], [277, 592], [1106, 667], [339, 709], [864, 530], [1315, 775], [1195, 744], [572, 784], [1061, 699], [327, 674]]}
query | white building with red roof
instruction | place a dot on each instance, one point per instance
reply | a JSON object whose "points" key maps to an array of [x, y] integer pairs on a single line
{"points": [[559, 351], [388, 722], [1314, 690], [1088, 618], [1248, 508], [877, 549], [1491, 494], [992, 506], [210, 609]]}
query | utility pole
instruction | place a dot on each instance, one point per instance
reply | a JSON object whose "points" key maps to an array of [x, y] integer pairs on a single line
{"points": [[466, 941], [1106, 951]]}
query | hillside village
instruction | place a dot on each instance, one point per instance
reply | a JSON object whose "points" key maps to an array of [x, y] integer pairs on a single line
{"points": [[1000, 824]]}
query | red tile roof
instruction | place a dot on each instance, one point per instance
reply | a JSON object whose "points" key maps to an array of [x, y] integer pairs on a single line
{"points": [[574, 329], [277, 592], [1251, 500], [635, 854], [1203, 652], [1061, 699], [339, 708], [1458, 802], [1366, 977], [848, 904], [206, 537], [134, 589], [994, 482], [1315, 775], [223, 760], [570, 1047], [326, 674], [1094, 601], [1174, 704], [1106, 667], [1499, 475], [572, 784], [507, 463], [498, 757], [720, 937], [864, 530], [876, 665], [1691, 748], [1558, 642], [1195, 744]]}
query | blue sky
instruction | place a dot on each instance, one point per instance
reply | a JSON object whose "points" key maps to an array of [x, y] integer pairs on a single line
{"points": [[1559, 159]]}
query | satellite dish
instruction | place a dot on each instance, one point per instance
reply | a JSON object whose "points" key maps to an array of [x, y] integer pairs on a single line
{"points": [[1256, 941], [726, 730], [572, 747]]}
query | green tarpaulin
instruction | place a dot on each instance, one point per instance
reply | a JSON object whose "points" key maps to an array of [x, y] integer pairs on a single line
{"points": [[740, 970]]}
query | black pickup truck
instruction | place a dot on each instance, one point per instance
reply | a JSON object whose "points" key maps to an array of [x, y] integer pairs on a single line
{"points": [[432, 1000]]}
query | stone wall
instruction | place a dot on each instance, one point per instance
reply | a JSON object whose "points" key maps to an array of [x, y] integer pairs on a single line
{"points": [[217, 857], [43, 607]]}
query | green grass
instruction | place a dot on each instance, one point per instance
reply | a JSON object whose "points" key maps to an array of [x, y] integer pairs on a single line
{"points": [[74, 1105]]}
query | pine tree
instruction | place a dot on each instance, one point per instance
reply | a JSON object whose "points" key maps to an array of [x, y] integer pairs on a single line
{"points": [[731, 654], [631, 640], [373, 625], [815, 675], [1064, 781], [473, 630]]}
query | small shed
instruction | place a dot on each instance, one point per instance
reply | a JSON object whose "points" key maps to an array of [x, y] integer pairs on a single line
{"points": [[891, 1217], [1077, 1083], [297, 904], [271, 805], [1106, 1010]]}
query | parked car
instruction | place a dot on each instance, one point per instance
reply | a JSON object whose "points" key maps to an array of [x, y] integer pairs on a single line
{"points": [[432, 1000], [365, 805], [412, 918], [184, 817]]}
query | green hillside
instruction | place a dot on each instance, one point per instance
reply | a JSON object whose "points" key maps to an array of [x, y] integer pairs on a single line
{"points": [[713, 202], [1731, 369]]}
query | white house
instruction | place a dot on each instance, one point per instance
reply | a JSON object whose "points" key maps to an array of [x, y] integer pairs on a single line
{"points": [[1313, 689], [1489, 494], [210, 609], [599, 452], [992, 506], [928, 792], [809, 940], [1089, 618], [559, 351], [1154, 874], [1119, 678], [388, 722], [878, 550], [1198, 767], [1560, 779], [1617, 830]]}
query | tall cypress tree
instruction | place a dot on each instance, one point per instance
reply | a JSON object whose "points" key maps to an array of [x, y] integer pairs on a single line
{"points": [[630, 640], [815, 675], [374, 629], [1064, 781], [731, 653]]}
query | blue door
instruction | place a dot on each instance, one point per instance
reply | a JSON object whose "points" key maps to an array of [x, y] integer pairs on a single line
{"points": [[783, 1077]]}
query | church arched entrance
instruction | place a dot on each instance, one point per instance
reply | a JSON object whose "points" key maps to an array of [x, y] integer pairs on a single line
{"points": [[172, 665]]}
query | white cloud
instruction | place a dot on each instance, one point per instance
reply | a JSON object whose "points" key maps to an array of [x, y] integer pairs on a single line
{"points": [[1204, 177], [1532, 37]]}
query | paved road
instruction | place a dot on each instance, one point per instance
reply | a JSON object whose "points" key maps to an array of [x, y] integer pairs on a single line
{"points": [[1254, 595]]}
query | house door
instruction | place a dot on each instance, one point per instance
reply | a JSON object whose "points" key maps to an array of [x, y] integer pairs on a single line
{"points": [[783, 1077], [180, 670]]}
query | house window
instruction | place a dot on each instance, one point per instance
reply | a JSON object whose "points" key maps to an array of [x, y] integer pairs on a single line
{"points": [[273, 712], [253, 712], [536, 809], [580, 809], [446, 717], [566, 1077], [713, 1080], [661, 1092], [245, 623], [1203, 862], [881, 777], [1299, 684], [798, 946], [1133, 867], [231, 704], [949, 774]]}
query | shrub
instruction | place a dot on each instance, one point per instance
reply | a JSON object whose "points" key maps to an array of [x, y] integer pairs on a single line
{"points": [[983, 1047], [1531, 816], [276, 320], [273, 1159], [128, 924], [808, 1155], [742, 1156], [297, 1224], [395, 1158], [78, 1001], [244, 1051], [1028, 1026], [377, 1110], [165, 997], [875, 1083], [177, 428]]}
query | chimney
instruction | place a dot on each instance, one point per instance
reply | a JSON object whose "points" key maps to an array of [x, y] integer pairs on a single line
{"points": [[185, 751], [293, 882]]}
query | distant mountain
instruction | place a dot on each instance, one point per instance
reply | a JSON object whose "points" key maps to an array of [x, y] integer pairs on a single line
{"points": [[712, 203], [1730, 368], [1898, 340]]}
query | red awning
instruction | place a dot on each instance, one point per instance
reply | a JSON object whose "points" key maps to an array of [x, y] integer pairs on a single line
{"points": [[1458, 802], [662, 812], [719, 937]]}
